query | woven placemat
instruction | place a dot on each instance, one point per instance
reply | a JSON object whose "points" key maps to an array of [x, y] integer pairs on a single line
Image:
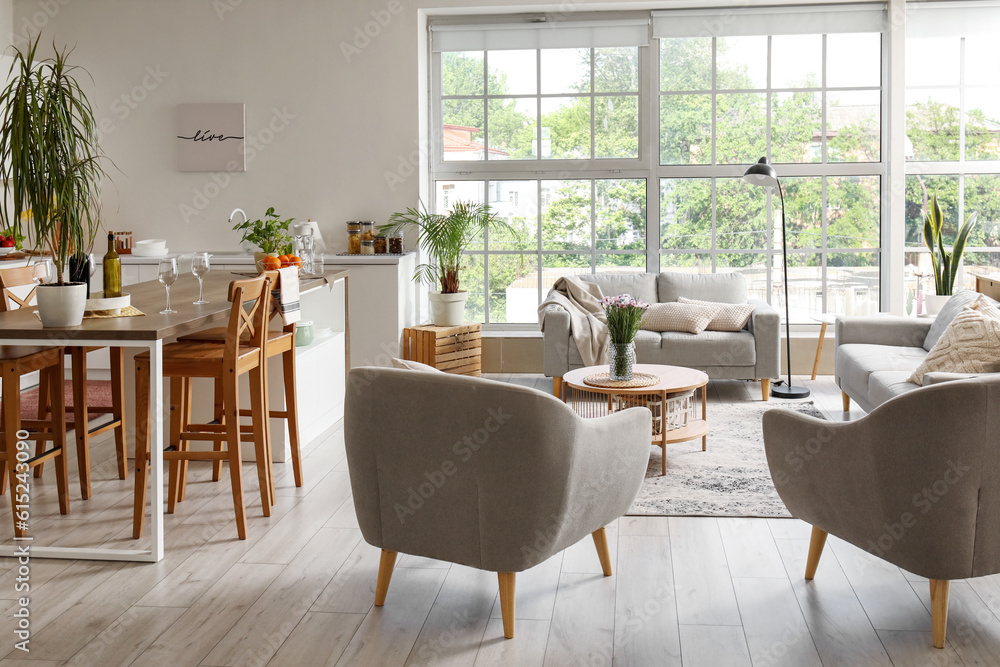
{"points": [[638, 380], [127, 311]]}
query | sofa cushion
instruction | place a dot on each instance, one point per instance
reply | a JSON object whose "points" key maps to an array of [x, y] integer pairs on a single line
{"points": [[883, 385], [857, 361], [410, 365], [719, 287], [687, 317], [951, 308], [731, 316], [970, 344], [640, 285], [709, 348]]}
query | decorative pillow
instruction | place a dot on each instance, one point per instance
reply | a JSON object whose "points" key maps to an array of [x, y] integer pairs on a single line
{"points": [[678, 317], [970, 344], [409, 365], [731, 317]]}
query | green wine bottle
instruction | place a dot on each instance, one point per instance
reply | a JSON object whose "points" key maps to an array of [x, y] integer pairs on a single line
{"points": [[112, 270]]}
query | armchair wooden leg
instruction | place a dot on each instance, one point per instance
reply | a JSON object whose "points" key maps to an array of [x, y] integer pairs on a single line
{"points": [[385, 566], [939, 610], [507, 580], [601, 542], [847, 402], [765, 388], [557, 386], [816, 544]]}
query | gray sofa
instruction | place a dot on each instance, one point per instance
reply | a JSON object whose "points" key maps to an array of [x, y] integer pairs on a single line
{"points": [[875, 355], [751, 354]]}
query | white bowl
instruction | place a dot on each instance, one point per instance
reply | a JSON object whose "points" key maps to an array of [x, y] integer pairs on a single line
{"points": [[6, 251], [147, 252], [154, 245], [101, 305]]}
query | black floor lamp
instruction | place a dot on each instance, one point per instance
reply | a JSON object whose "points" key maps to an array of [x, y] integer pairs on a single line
{"points": [[764, 175]]}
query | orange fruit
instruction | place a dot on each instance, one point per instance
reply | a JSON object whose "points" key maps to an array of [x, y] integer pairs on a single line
{"points": [[293, 260], [271, 263]]}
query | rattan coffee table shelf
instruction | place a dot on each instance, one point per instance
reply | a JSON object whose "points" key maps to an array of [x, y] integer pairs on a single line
{"points": [[671, 400]]}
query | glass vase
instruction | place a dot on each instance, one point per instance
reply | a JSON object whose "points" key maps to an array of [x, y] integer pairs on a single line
{"points": [[621, 360]]}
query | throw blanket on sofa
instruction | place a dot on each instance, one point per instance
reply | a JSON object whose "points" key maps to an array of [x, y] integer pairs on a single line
{"points": [[587, 321]]}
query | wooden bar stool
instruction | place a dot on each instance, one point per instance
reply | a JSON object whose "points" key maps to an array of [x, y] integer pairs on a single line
{"points": [[279, 343], [225, 364], [21, 277]]}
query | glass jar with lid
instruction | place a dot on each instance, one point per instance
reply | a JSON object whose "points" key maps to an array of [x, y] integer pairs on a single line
{"points": [[353, 226], [367, 247], [367, 230], [354, 242], [396, 243], [380, 245]]}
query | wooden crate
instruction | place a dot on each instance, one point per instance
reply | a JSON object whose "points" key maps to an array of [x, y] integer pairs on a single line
{"points": [[450, 349]]}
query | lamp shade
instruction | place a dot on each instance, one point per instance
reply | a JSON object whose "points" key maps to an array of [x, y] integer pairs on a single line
{"points": [[761, 174]]}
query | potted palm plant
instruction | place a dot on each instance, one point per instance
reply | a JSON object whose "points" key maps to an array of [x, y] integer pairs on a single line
{"points": [[945, 264], [445, 237], [50, 164]]}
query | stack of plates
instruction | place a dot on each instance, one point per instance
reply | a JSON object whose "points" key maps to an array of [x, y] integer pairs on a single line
{"points": [[150, 248]]}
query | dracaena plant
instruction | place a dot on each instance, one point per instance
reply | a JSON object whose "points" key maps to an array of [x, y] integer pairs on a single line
{"points": [[945, 264], [445, 236], [50, 160]]}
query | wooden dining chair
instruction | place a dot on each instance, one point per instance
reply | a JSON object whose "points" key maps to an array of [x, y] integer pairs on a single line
{"points": [[280, 343], [224, 363], [22, 277]]}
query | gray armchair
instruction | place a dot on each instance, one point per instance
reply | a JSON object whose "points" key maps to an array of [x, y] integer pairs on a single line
{"points": [[915, 482], [482, 473]]}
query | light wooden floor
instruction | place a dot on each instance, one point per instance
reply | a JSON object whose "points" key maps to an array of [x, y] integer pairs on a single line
{"points": [[299, 591]]}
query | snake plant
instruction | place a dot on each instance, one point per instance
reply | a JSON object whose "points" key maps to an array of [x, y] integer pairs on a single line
{"points": [[945, 264]]}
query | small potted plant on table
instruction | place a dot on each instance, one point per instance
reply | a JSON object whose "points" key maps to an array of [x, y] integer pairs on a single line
{"points": [[270, 235], [624, 314]]}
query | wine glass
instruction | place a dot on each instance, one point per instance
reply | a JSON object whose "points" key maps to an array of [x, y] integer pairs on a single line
{"points": [[199, 267], [167, 274], [45, 272]]}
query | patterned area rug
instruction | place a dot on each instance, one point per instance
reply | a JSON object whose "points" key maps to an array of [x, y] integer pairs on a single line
{"points": [[731, 478]]}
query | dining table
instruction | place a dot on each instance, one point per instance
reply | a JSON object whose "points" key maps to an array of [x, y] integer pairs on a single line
{"points": [[148, 331]]}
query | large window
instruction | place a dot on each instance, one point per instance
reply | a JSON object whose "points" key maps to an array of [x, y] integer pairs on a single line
{"points": [[953, 132], [557, 139]]}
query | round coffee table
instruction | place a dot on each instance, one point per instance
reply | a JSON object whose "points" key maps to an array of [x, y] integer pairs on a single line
{"points": [[659, 398]]}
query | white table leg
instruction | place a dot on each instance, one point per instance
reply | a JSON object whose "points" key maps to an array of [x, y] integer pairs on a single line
{"points": [[156, 448]]}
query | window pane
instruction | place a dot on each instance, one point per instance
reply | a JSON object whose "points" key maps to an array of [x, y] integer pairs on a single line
{"points": [[620, 214], [557, 266], [751, 265], [919, 189], [982, 60], [933, 61], [796, 61], [803, 214], [686, 262], [741, 62], [796, 127], [852, 283], [473, 279], [565, 71], [981, 196], [981, 128], [512, 72], [512, 128], [632, 263], [686, 129], [805, 286], [616, 70], [449, 193], [686, 64], [514, 288], [462, 73], [566, 127], [566, 215], [517, 203], [853, 60], [853, 121], [740, 214], [932, 123], [462, 134], [852, 212], [616, 126], [741, 132], [686, 213]]}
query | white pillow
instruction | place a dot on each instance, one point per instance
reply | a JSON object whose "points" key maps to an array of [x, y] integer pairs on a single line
{"points": [[675, 316], [731, 317], [970, 344], [409, 365]]}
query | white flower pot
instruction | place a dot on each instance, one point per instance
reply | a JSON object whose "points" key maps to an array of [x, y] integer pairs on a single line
{"points": [[61, 305], [447, 310], [933, 303]]}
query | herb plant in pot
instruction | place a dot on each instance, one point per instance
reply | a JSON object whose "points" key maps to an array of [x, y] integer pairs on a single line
{"points": [[946, 265], [445, 236], [50, 164], [270, 235]]}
